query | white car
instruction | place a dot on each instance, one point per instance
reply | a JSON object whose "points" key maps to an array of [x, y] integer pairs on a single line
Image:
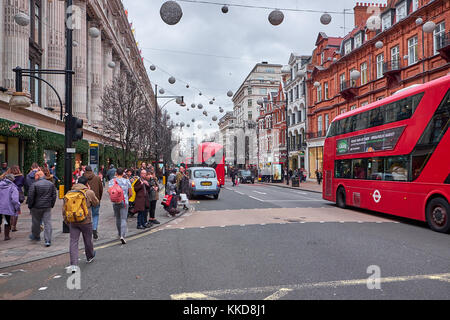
{"points": [[203, 182]]}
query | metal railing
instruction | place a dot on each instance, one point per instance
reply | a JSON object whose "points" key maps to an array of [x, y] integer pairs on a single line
{"points": [[313, 135], [347, 85], [394, 65]]}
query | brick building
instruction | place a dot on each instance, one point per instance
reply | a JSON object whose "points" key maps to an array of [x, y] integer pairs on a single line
{"points": [[365, 66]]}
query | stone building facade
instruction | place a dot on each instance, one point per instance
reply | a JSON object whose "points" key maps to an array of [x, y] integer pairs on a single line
{"points": [[41, 45]]}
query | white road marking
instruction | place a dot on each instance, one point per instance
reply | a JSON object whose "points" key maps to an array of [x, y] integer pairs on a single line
{"points": [[240, 193], [279, 294], [260, 192], [282, 289], [257, 199], [56, 277], [43, 288]]}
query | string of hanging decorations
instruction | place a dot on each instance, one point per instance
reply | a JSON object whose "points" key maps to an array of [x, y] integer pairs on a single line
{"points": [[171, 12]]}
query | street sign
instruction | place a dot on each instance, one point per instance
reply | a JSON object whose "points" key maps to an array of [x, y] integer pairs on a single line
{"points": [[71, 150]]}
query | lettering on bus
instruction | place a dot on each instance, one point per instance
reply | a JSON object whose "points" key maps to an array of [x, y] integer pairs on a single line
{"points": [[371, 142]]}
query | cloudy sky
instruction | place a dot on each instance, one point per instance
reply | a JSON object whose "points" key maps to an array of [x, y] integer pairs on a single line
{"points": [[214, 52]]}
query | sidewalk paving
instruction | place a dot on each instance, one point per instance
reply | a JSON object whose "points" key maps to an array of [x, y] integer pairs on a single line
{"points": [[306, 186], [20, 249]]}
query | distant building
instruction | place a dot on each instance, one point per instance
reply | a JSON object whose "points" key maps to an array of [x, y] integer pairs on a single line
{"points": [[264, 79]]}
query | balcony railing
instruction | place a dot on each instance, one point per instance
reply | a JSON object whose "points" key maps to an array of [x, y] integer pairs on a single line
{"points": [[348, 85], [443, 45], [392, 66], [314, 135]]}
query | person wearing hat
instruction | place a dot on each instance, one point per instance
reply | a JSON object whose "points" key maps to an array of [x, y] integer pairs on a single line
{"points": [[9, 202], [96, 185]]}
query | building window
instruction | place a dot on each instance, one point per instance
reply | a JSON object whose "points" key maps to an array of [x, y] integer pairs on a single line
{"points": [[35, 84], [342, 81], [322, 57], [327, 122], [439, 34], [401, 11], [364, 73], [291, 95], [250, 115], [413, 50], [263, 91], [365, 103], [343, 110], [325, 85], [250, 90], [297, 92], [348, 47], [415, 5], [380, 60], [319, 124], [319, 93], [35, 21], [395, 54], [358, 40], [386, 21], [352, 107], [353, 82], [250, 102]]}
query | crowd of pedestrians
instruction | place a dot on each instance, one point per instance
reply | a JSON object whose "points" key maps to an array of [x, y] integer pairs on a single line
{"points": [[131, 191]]}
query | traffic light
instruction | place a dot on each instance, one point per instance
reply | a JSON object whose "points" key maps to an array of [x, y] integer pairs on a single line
{"points": [[77, 129]]}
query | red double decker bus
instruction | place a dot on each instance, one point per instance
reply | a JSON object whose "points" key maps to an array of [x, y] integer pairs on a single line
{"points": [[211, 154], [393, 156]]}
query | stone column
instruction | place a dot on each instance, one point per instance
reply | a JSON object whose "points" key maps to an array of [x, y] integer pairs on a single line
{"points": [[56, 51], [107, 58], [15, 43], [80, 63], [95, 77]]}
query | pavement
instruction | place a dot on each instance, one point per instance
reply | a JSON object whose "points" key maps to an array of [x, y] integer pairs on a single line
{"points": [[20, 250], [306, 186]]}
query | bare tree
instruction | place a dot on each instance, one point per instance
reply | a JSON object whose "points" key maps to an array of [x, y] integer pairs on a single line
{"points": [[125, 110]]}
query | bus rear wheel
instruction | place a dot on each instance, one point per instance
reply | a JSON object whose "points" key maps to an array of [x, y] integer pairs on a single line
{"points": [[437, 215], [340, 198]]}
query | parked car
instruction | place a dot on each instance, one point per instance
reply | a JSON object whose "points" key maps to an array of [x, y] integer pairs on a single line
{"points": [[245, 176], [203, 182]]}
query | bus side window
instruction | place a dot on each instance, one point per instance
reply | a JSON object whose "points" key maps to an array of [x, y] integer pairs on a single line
{"points": [[343, 169], [359, 168], [397, 168]]}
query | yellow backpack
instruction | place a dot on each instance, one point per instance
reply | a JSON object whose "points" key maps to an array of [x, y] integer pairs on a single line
{"points": [[75, 206], [133, 193]]}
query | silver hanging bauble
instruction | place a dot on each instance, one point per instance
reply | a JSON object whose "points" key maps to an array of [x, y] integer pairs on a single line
{"points": [[188, 125], [230, 93], [187, 86], [200, 106], [171, 12], [177, 113], [428, 27], [74, 44], [317, 84], [199, 93], [373, 23], [152, 67], [419, 21], [301, 74], [199, 126], [211, 102], [187, 109], [193, 120], [325, 18], [379, 44], [111, 64], [94, 32], [225, 9], [22, 19], [172, 80], [193, 106], [214, 118], [162, 91], [354, 75], [182, 124], [128, 50], [276, 17]]}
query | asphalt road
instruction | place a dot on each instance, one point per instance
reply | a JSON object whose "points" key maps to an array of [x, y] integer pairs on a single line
{"points": [[330, 259]]}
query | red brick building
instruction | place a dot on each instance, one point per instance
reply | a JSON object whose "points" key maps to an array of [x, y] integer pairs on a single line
{"points": [[397, 55], [272, 129]]}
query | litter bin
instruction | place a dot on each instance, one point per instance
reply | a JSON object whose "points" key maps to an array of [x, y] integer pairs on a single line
{"points": [[295, 182]]}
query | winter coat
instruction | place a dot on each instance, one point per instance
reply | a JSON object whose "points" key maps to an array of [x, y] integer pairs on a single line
{"points": [[111, 173], [29, 180], [142, 201], [184, 185], [91, 201], [9, 198], [95, 183], [171, 185], [41, 195], [153, 194]]}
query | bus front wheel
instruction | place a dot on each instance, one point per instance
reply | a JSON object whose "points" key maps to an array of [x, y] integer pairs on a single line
{"points": [[437, 215], [340, 198]]}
